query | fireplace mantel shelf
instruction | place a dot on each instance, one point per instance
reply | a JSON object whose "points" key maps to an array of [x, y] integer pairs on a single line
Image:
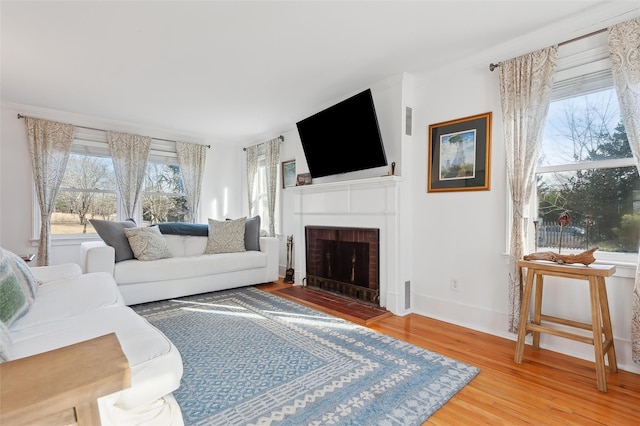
{"points": [[341, 185]]}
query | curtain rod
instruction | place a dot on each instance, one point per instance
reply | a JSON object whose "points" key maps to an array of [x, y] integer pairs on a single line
{"points": [[493, 66], [279, 137], [102, 130]]}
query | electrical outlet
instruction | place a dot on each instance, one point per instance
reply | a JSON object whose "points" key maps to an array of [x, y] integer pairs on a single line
{"points": [[454, 284]]}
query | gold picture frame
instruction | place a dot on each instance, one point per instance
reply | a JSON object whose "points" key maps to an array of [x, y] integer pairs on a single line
{"points": [[460, 155]]}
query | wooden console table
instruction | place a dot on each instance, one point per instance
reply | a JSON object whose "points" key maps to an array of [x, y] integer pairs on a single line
{"points": [[602, 335], [62, 386]]}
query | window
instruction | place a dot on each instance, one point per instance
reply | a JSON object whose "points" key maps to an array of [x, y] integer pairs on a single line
{"points": [[586, 166], [163, 197], [89, 191], [259, 196]]}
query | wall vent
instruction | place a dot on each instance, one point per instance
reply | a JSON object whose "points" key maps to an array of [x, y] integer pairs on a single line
{"points": [[407, 295]]}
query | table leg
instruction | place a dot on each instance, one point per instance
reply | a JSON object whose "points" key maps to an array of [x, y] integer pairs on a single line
{"points": [[524, 316], [596, 321], [537, 310], [606, 325], [88, 413]]}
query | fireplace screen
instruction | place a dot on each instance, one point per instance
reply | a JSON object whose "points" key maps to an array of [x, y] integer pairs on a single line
{"points": [[344, 261]]}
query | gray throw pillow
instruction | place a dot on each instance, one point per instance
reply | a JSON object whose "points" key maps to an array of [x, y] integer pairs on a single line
{"points": [[252, 234], [112, 233], [226, 236], [147, 243]]}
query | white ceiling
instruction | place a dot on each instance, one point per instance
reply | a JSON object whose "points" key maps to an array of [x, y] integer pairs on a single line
{"points": [[237, 71]]}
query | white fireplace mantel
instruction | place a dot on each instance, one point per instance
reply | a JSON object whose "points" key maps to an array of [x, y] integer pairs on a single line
{"points": [[366, 203]]}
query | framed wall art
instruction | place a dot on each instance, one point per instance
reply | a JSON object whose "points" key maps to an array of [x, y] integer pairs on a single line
{"points": [[288, 173], [460, 155]]}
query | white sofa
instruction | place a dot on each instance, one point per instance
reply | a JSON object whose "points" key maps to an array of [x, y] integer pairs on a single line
{"points": [[70, 307], [188, 271]]}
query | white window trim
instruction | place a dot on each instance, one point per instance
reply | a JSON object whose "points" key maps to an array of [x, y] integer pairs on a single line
{"points": [[603, 164]]}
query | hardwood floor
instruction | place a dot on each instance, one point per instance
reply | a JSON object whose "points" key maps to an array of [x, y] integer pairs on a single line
{"points": [[548, 388]]}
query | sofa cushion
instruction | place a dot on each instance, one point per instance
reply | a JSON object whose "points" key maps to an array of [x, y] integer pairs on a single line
{"points": [[65, 298], [156, 365], [226, 236], [195, 246], [175, 243], [147, 243], [112, 233], [186, 245], [133, 271]]}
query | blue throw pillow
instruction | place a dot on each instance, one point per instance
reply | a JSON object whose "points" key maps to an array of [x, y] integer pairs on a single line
{"points": [[183, 228]]}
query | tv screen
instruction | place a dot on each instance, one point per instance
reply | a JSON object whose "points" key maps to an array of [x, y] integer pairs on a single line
{"points": [[343, 138]]}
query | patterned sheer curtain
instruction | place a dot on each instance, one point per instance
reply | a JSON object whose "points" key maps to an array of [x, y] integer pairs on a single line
{"points": [[525, 90], [252, 169], [129, 154], [272, 160], [49, 144], [191, 158], [624, 50]]}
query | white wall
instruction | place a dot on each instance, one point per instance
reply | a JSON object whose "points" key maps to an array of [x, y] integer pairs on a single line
{"points": [[222, 189], [463, 235]]}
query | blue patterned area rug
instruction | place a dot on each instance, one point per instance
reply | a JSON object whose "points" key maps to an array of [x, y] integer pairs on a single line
{"points": [[252, 358]]}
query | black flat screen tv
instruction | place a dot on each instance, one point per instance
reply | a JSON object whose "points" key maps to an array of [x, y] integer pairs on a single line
{"points": [[343, 138]]}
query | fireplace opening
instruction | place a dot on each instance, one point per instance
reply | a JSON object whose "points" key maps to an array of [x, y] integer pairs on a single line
{"points": [[344, 261]]}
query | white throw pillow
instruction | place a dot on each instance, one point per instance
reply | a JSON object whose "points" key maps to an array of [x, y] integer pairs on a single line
{"points": [[226, 236], [147, 243]]}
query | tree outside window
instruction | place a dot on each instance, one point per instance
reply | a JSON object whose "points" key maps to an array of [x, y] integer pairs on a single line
{"points": [[88, 191], [163, 197], [586, 168]]}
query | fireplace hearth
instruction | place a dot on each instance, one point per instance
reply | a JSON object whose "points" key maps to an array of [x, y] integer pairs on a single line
{"points": [[344, 261]]}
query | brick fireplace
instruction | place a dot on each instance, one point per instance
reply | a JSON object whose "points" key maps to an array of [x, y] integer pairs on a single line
{"points": [[344, 260]]}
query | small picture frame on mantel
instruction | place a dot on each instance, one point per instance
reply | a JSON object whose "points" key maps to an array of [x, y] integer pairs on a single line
{"points": [[303, 179]]}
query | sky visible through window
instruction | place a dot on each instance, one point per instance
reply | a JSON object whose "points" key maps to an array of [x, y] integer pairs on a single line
{"points": [[573, 124]]}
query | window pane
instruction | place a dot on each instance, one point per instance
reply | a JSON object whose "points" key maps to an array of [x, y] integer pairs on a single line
{"points": [[87, 192], [583, 128], [604, 206], [163, 178], [603, 197], [73, 210], [163, 194], [163, 208], [89, 172]]}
